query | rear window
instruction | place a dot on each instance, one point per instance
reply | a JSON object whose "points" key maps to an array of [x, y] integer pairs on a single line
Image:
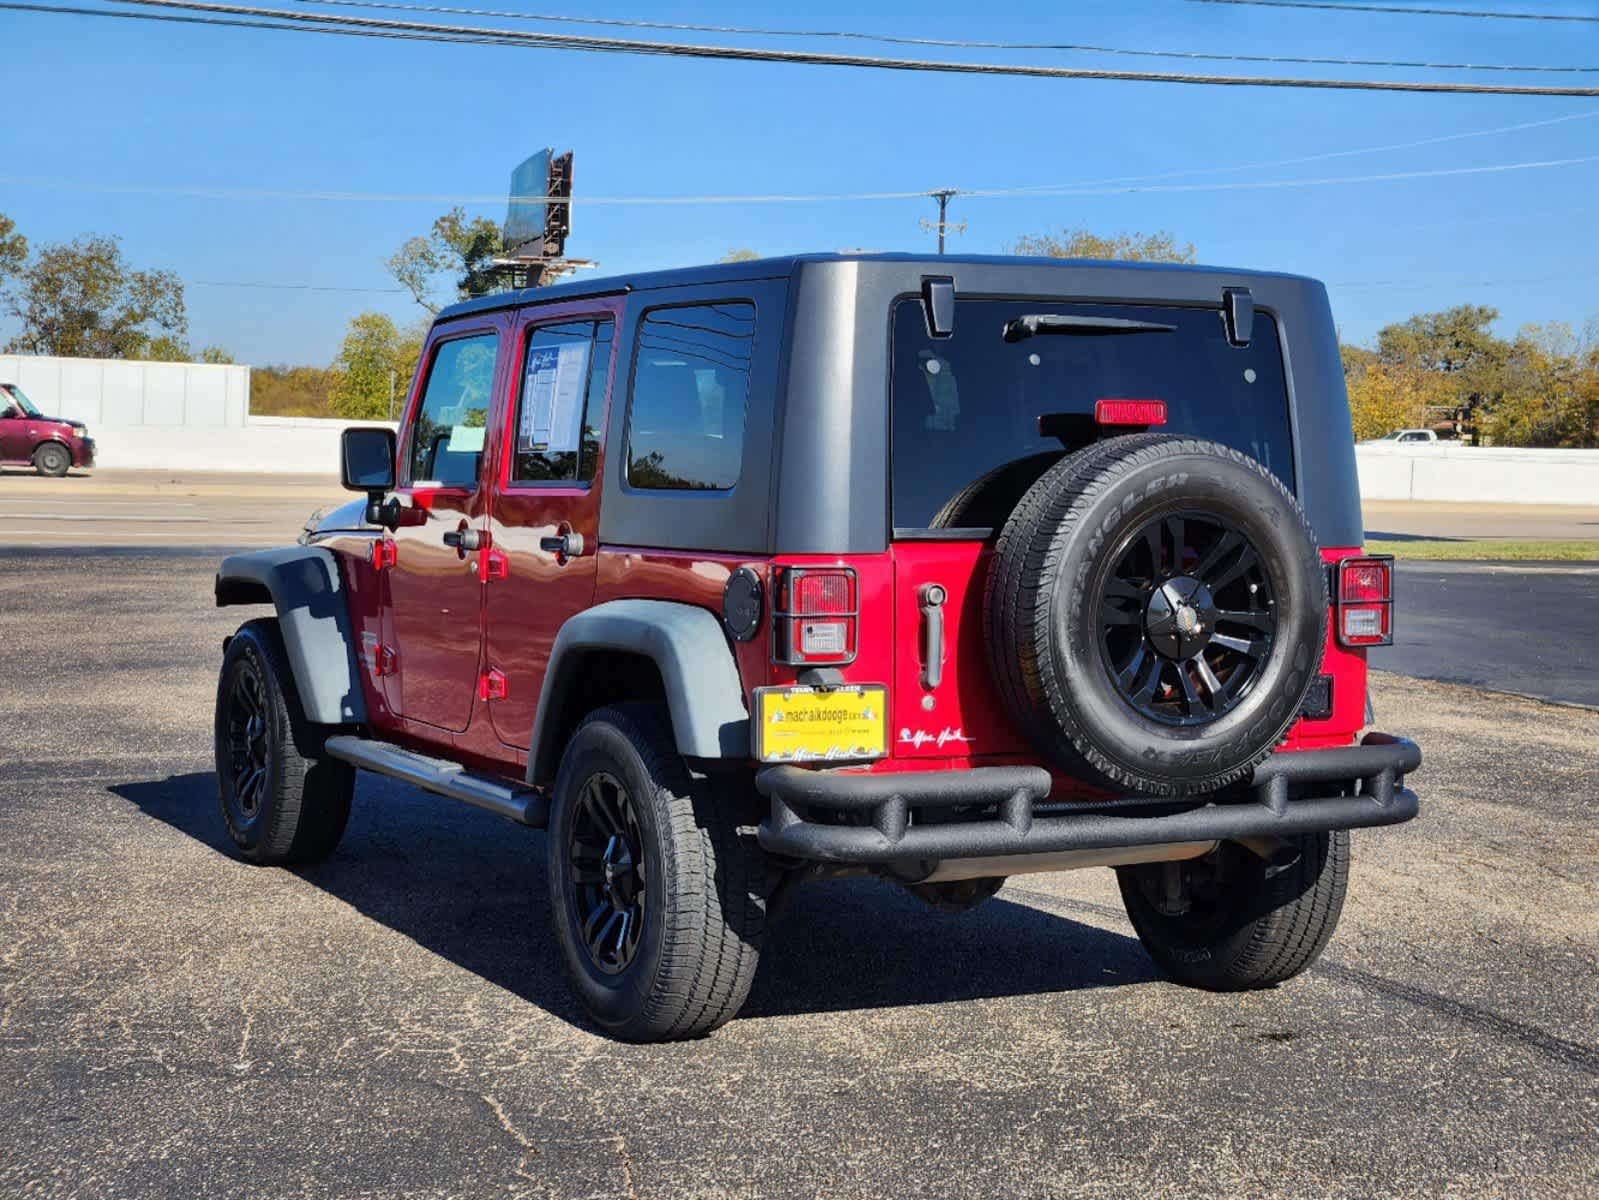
{"points": [[971, 403]]}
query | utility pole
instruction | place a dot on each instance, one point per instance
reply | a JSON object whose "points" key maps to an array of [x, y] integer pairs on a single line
{"points": [[943, 196]]}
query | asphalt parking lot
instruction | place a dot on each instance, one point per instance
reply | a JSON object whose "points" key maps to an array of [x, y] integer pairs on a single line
{"points": [[394, 1022]]}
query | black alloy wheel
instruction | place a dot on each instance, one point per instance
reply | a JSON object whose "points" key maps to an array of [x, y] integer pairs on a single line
{"points": [[280, 805], [608, 873], [1187, 617], [248, 744]]}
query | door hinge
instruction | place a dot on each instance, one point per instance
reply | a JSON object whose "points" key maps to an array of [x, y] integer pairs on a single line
{"points": [[383, 554], [493, 564], [380, 659], [491, 685]]}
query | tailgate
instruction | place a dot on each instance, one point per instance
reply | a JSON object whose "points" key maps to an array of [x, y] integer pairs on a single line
{"points": [[954, 711]]}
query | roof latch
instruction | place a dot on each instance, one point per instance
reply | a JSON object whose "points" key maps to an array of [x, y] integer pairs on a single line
{"points": [[938, 305], [1239, 309]]}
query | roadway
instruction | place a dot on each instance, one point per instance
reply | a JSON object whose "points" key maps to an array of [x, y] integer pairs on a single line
{"points": [[395, 1023]]}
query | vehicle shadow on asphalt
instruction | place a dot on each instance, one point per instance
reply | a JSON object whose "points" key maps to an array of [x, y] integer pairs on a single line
{"points": [[470, 887]]}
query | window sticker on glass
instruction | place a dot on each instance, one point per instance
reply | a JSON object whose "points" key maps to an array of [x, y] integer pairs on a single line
{"points": [[553, 404], [465, 439]]}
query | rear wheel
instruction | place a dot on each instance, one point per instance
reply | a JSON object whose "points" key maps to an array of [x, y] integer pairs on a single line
{"points": [[52, 459], [659, 898], [280, 806], [1232, 921]]}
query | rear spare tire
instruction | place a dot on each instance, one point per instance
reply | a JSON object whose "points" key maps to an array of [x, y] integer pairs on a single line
{"points": [[1156, 612]]}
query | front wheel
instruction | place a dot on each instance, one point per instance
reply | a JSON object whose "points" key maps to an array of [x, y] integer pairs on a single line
{"points": [[280, 806], [659, 899], [52, 459], [1233, 921]]}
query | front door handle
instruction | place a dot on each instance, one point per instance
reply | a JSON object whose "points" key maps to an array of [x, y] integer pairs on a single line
{"points": [[466, 540], [567, 545]]}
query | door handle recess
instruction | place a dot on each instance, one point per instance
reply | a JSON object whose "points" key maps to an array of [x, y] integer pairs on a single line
{"points": [[569, 545]]}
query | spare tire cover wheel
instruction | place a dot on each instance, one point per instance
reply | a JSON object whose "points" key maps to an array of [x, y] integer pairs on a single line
{"points": [[1177, 615]]}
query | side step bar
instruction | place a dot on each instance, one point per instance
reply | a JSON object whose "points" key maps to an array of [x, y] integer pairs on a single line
{"points": [[524, 805]]}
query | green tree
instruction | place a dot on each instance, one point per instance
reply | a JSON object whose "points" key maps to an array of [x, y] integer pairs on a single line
{"points": [[1127, 247], [1459, 346], [82, 299], [13, 248], [373, 368], [461, 247], [740, 254], [215, 355]]}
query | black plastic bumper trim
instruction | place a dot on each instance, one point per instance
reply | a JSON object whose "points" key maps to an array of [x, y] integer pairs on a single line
{"points": [[1375, 769]]}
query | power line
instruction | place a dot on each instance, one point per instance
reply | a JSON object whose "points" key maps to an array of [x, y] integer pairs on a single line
{"points": [[951, 43], [372, 26], [216, 192], [1409, 12], [1066, 190], [288, 287]]}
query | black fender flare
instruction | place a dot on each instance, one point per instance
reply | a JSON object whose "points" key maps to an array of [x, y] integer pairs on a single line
{"points": [[304, 584], [704, 692]]}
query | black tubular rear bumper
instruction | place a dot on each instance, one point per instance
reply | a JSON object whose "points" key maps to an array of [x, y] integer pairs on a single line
{"points": [[840, 817]]}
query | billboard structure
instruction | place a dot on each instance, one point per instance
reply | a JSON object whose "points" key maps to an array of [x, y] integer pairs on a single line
{"points": [[538, 220]]}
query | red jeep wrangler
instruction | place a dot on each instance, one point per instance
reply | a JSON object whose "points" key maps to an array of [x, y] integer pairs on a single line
{"points": [[935, 569]]}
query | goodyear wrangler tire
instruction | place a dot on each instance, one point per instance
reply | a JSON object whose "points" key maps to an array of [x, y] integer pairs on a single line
{"points": [[1156, 612]]}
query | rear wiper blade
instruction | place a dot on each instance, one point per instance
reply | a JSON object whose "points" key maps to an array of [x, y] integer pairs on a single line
{"points": [[1037, 323]]}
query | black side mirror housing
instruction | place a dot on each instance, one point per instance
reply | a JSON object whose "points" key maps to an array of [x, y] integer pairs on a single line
{"points": [[366, 459]]}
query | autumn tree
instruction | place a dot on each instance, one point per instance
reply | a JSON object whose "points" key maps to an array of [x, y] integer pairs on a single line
{"points": [[1550, 393], [83, 299], [740, 254], [463, 249], [1459, 347], [13, 248], [1384, 397], [369, 378], [1126, 247]]}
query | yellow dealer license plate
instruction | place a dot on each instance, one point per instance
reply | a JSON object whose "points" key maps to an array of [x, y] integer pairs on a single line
{"points": [[806, 724]]}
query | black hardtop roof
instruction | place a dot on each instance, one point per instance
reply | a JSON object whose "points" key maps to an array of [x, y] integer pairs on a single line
{"points": [[786, 265]]}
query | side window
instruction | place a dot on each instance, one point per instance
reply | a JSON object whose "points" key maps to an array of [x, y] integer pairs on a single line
{"points": [[561, 402], [690, 383], [447, 436]]}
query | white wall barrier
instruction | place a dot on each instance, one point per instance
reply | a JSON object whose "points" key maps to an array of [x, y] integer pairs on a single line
{"points": [[174, 416], [1478, 475]]}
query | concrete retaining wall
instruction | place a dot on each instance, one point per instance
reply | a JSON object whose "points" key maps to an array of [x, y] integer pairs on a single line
{"points": [[283, 445], [174, 416], [1476, 475]]}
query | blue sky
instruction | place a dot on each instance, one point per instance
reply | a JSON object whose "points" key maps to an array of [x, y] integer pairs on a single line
{"points": [[133, 104]]}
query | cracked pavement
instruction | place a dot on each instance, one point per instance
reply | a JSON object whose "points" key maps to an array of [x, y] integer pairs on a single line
{"points": [[394, 1022]]}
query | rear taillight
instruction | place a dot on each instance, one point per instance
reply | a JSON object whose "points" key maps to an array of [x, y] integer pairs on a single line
{"points": [[1365, 601], [816, 618]]}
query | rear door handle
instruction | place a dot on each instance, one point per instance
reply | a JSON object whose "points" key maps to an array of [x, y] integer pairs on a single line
{"points": [[932, 598], [568, 545]]}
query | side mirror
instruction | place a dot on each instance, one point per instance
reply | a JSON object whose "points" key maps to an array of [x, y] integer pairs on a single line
{"points": [[366, 459]]}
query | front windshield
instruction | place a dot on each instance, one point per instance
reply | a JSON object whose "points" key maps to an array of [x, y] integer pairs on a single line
{"points": [[21, 398]]}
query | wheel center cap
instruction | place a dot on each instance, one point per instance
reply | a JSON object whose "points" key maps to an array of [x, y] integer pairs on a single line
{"points": [[1180, 618], [614, 868]]}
